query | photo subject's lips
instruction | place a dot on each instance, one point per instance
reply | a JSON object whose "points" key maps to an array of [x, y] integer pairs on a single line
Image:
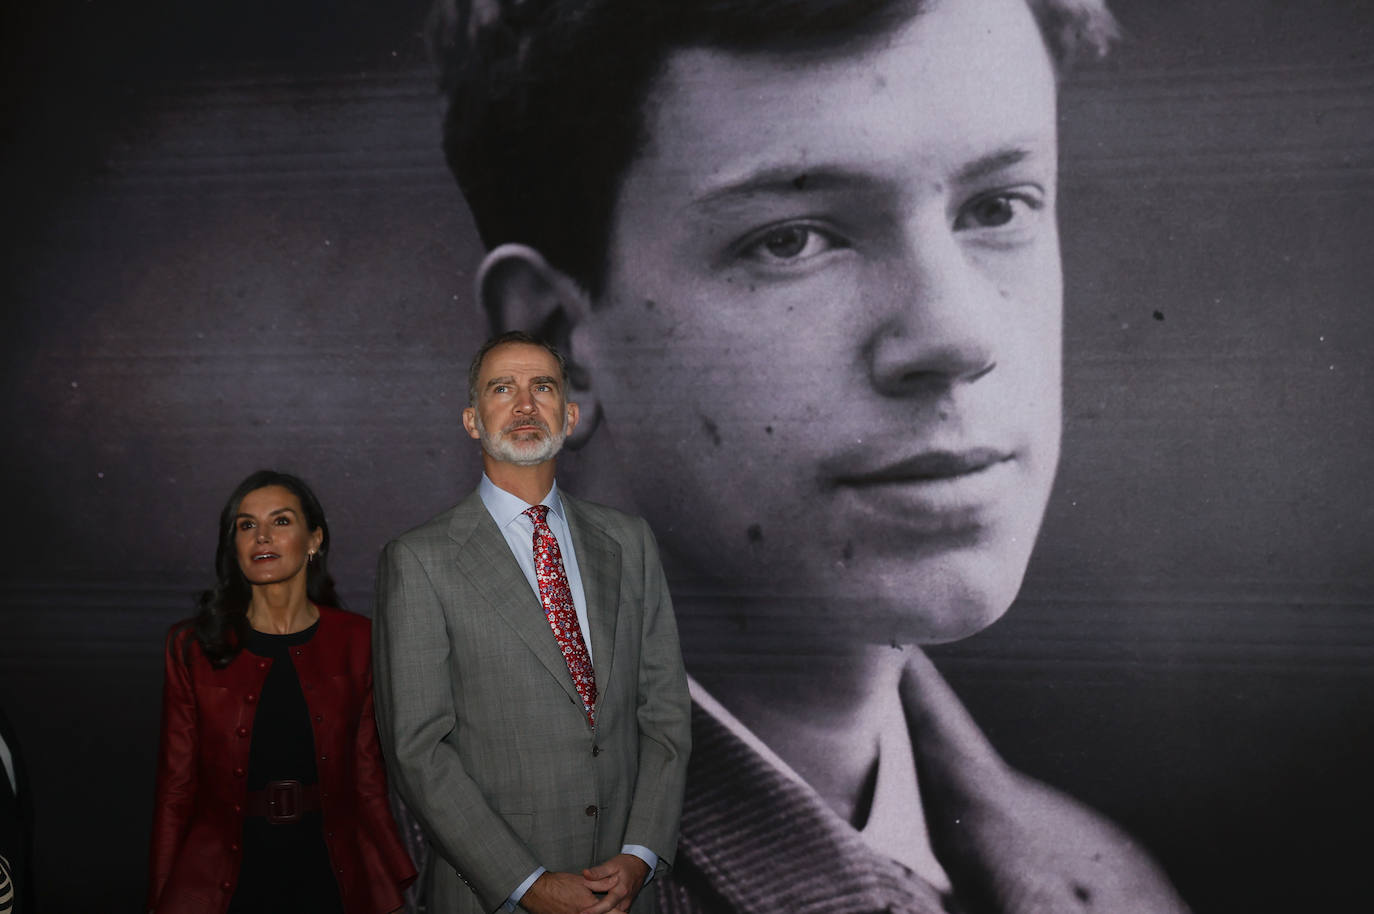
{"points": [[929, 466], [265, 556], [940, 490]]}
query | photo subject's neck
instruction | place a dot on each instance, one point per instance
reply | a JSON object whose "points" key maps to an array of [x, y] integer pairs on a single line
{"points": [[822, 714], [529, 484]]}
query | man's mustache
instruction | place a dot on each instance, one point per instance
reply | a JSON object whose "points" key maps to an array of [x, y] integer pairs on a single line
{"points": [[525, 424]]}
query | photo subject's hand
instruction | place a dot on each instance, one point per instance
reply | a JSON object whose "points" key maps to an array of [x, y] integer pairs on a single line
{"points": [[559, 893], [618, 881]]}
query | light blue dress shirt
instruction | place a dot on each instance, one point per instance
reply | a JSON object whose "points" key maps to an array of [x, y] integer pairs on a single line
{"points": [[508, 511]]}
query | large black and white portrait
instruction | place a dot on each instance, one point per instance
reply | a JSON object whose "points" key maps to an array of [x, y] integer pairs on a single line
{"points": [[1036, 342]]}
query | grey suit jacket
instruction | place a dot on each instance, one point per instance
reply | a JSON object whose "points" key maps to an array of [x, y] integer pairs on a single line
{"points": [[484, 730]]}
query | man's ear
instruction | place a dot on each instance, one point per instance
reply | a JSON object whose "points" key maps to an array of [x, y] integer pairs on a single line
{"points": [[517, 289]]}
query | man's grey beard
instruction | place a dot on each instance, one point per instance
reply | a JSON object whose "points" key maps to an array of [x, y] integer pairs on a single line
{"points": [[523, 454]]}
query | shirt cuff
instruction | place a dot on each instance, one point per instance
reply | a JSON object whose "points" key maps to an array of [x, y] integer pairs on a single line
{"points": [[643, 853], [514, 900]]}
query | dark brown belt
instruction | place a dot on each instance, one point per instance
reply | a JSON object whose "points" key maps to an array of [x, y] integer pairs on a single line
{"points": [[283, 802]]}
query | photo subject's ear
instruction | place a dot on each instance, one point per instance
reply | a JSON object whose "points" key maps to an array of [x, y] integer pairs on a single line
{"points": [[517, 289]]}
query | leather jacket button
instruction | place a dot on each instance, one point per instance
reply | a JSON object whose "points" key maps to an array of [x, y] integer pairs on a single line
{"points": [[250, 698], [238, 772], [319, 718], [233, 848], [591, 810], [262, 664], [225, 886], [242, 731], [238, 808]]}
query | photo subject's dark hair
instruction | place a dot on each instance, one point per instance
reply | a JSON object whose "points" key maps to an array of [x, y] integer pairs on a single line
{"points": [[220, 623], [545, 98]]}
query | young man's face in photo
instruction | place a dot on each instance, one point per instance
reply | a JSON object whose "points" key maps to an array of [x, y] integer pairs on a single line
{"points": [[829, 339]]}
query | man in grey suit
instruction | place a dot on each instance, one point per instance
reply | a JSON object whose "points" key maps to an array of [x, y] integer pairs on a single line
{"points": [[530, 687]]}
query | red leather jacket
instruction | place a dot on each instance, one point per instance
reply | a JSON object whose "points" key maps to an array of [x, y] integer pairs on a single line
{"points": [[207, 726]]}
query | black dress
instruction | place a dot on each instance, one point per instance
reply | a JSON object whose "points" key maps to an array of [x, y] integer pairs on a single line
{"points": [[285, 867]]}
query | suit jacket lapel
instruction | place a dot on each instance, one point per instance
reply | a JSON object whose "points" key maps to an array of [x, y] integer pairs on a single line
{"points": [[598, 560], [767, 844], [486, 561]]}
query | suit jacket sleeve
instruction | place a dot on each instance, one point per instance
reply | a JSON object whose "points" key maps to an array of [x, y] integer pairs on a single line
{"points": [[665, 714], [416, 715], [176, 765], [374, 808]]}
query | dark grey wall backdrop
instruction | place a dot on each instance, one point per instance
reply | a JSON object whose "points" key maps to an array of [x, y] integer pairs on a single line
{"points": [[231, 242]]}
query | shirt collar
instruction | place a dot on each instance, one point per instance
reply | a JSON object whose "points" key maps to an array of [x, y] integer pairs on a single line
{"points": [[746, 805], [505, 507]]}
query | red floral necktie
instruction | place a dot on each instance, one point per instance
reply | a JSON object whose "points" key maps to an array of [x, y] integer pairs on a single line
{"points": [[558, 607]]}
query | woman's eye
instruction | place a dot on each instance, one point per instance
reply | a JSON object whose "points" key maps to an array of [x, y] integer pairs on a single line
{"points": [[283, 521], [245, 525], [789, 244]]}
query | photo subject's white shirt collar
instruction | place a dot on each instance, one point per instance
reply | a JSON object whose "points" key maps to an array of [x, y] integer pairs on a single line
{"points": [[896, 824]]}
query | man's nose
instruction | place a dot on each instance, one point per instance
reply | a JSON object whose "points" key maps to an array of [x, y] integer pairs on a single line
{"points": [[939, 320]]}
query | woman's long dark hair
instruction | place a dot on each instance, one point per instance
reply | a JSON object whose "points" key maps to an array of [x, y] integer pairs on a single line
{"points": [[221, 621]]}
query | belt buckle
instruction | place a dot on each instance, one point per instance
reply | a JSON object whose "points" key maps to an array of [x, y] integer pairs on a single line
{"points": [[283, 802]]}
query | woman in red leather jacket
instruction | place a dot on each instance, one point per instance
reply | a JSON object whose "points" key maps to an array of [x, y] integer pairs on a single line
{"points": [[271, 793]]}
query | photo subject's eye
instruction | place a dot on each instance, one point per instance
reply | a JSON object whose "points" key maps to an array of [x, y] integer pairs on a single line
{"points": [[788, 244], [993, 211], [999, 210]]}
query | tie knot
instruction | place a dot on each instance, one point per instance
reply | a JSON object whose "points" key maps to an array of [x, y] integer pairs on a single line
{"points": [[539, 514]]}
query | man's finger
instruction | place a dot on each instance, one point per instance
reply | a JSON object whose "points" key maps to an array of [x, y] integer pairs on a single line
{"points": [[605, 905], [604, 884]]}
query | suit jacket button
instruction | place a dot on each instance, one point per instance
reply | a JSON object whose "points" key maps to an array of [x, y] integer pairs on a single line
{"points": [[233, 848], [262, 664], [225, 886], [250, 698], [238, 772], [591, 810], [242, 731], [318, 718], [596, 750]]}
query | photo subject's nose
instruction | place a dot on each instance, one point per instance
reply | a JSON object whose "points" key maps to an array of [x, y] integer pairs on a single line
{"points": [[941, 326]]}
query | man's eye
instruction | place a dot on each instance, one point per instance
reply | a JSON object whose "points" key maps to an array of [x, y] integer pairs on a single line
{"points": [[790, 244], [997, 210]]}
